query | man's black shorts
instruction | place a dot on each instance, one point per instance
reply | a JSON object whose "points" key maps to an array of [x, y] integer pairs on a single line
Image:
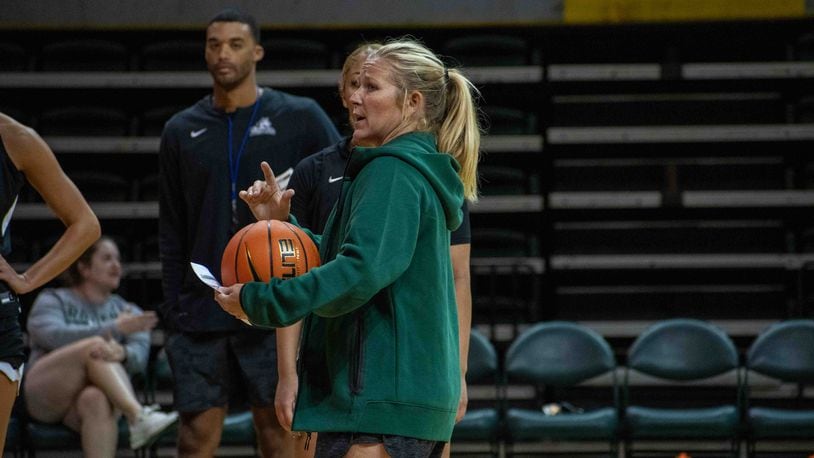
{"points": [[210, 369]]}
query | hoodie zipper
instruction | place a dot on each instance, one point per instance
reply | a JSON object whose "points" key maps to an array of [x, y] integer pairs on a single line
{"points": [[301, 352], [357, 356]]}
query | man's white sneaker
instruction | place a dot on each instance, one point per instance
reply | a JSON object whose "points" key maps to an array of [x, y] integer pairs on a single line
{"points": [[149, 425]]}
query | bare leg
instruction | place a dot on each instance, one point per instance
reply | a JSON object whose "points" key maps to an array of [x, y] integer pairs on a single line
{"points": [[96, 421], [199, 433], [299, 446], [274, 441], [121, 392], [57, 378], [8, 392]]}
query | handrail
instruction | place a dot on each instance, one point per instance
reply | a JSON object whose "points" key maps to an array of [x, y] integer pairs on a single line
{"points": [[201, 79], [493, 144]]}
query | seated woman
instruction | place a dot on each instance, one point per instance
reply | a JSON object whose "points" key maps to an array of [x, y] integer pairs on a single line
{"points": [[86, 342]]}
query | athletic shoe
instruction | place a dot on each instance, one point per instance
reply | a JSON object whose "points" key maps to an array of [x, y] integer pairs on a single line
{"points": [[150, 424]]}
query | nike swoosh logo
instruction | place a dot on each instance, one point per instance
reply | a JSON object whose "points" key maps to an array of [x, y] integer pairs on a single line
{"points": [[333, 180], [197, 133]]}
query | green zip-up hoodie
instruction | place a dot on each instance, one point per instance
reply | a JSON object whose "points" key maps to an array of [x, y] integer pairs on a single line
{"points": [[380, 351]]}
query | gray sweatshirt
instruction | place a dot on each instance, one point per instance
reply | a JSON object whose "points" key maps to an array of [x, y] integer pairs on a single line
{"points": [[60, 317]]}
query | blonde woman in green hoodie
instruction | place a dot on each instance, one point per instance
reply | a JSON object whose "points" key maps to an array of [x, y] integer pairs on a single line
{"points": [[381, 321]]}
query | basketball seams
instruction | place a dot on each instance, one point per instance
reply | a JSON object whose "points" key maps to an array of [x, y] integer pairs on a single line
{"points": [[243, 233], [243, 258], [270, 246]]}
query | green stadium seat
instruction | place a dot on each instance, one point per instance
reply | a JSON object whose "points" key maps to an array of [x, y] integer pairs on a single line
{"points": [[681, 351], [480, 424], [556, 356], [84, 55], [294, 54], [13, 58], [173, 55], [80, 121], [56, 436], [481, 50], [784, 352], [509, 121]]}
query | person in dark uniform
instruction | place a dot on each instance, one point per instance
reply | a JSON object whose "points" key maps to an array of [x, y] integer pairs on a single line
{"points": [[25, 156], [208, 152], [317, 181]]}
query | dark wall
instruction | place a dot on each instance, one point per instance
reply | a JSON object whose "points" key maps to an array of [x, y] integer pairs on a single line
{"points": [[283, 13]]}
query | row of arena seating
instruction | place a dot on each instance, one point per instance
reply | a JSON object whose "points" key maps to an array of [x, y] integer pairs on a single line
{"points": [[710, 396], [100, 54], [93, 119], [663, 178], [145, 52], [583, 400]]}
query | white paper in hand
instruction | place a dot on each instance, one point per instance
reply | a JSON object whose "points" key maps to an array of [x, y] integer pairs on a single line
{"points": [[205, 275], [209, 280]]}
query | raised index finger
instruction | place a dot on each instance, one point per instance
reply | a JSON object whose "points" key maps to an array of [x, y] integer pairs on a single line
{"points": [[268, 174]]}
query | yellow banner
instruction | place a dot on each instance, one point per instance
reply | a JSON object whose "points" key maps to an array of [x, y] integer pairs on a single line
{"points": [[614, 11]]}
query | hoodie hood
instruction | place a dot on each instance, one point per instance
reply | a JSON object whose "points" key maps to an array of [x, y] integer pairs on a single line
{"points": [[419, 150]]}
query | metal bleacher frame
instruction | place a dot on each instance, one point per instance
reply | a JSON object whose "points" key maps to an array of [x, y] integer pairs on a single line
{"points": [[655, 75], [525, 144], [549, 203]]}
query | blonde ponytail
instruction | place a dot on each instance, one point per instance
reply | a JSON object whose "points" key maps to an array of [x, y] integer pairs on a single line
{"points": [[459, 133], [449, 104]]}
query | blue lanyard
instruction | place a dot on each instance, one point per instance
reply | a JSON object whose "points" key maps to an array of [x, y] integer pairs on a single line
{"points": [[234, 161]]}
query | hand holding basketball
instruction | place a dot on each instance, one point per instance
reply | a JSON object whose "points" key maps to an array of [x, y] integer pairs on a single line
{"points": [[265, 198], [258, 252], [267, 249]]}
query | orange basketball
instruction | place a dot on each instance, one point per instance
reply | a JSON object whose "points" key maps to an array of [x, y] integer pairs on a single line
{"points": [[267, 249]]}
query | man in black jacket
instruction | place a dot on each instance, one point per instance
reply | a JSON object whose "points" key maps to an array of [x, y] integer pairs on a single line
{"points": [[209, 152]]}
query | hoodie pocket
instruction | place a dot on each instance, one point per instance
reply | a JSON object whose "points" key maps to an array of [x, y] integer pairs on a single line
{"points": [[357, 356]]}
